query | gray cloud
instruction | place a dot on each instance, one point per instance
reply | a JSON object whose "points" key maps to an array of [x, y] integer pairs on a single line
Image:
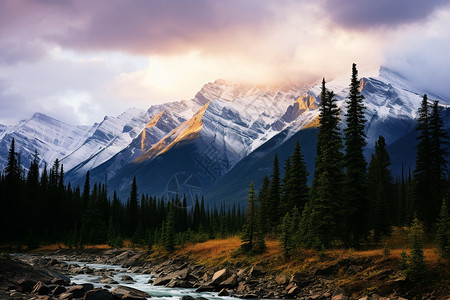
{"points": [[363, 14]]}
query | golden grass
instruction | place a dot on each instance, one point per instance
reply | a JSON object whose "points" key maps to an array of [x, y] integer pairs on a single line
{"points": [[57, 246]]}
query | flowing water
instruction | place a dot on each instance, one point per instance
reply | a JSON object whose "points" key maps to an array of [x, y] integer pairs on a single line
{"points": [[141, 283]]}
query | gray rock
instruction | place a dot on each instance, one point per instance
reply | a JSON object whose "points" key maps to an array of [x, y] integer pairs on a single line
{"points": [[231, 282], [178, 283], [220, 276], [78, 291], [121, 290], [108, 280], [187, 298], [98, 294], [127, 278], [206, 288]]}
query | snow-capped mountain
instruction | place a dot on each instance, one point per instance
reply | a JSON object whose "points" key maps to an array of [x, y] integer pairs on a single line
{"points": [[205, 137], [51, 138]]}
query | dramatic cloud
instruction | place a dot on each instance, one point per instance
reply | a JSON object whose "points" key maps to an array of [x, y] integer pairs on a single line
{"points": [[84, 59], [381, 13]]}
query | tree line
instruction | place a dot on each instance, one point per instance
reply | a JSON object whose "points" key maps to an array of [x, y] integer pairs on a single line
{"points": [[351, 202], [38, 208]]}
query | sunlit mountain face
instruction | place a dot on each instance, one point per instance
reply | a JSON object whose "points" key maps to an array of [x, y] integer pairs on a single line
{"points": [[205, 138]]}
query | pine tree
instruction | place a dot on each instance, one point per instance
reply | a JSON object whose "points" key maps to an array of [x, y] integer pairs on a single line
{"points": [[169, 237], [273, 216], [355, 190], [296, 186], [422, 174], [263, 209], [416, 268], [289, 229], [133, 218], [380, 190], [326, 191], [250, 227], [86, 191], [438, 162], [443, 231]]}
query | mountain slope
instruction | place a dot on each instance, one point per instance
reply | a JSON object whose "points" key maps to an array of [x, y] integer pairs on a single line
{"points": [[51, 138]]}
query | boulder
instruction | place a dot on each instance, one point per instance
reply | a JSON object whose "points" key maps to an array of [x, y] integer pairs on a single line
{"points": [[230, 282], [161, 281], [281, 279], [121, 290], [25, 285], [220, 276], [206, 288], [127, 278], [179, 284], [108, 280], [187, 298], [41, 289], [182, 274], [79, 290], [98, 294]]}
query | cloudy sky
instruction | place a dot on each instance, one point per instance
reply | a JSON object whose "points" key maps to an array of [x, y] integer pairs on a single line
{"points": [[79, 60]]}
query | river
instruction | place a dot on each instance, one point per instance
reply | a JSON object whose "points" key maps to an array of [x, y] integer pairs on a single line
{"points": [[141, 283]]}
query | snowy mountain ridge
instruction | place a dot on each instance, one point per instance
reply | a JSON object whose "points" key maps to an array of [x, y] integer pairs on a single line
{"points": [[229, 120]]}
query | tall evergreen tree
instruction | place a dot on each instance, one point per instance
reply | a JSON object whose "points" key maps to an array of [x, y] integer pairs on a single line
{"points": [[274, 195], [133, 218], [422, 174], [380, 190], [438, 162], [416, 268], [296, 186], [355, 190], [263, 210], [443, 231], [326, 191], [250, 227]]}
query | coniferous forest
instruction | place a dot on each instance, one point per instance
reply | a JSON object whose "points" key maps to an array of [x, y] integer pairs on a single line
{"points": [[350, 203]]}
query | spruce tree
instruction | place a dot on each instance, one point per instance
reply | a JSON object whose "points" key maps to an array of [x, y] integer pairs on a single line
{"points": [[443, 231], [355, 190], [422, 174], [250, 227], [438, 162], [273, 216], [289, 230], [416, 268], [326, 191], [380, 190], [133, 218], [263, 208], [296, 186]]}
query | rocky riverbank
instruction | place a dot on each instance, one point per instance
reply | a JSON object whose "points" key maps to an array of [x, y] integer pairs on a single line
{"points": [[337, 280]]}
